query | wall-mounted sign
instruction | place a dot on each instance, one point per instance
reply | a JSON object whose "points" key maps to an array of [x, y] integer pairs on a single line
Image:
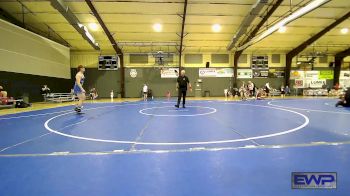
{"points": [[244, 73], [312, 75], [298, 83], [224, 72], [316, 83], [273, 73], [326, 74], [344, 79], [296, 74], [260, 73], [133, 73], [216, 72], [344, 75], [169, 73], [207, 72]]}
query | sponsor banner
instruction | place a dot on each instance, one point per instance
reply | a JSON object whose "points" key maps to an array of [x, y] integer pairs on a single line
{"points": [[244, 73], [207, 72], [296, 74], [298, 83], [326, 74], [260, 73], [169, 73], [224, 72], [316, 83], [312, 75], [344, 82], [133, 73], [273, 73], [216, 72], [344, 75]]}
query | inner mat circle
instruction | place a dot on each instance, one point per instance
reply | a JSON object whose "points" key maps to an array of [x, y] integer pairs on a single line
{"points": [[173, 111]]}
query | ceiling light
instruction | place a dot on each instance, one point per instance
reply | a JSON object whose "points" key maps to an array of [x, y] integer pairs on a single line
{"points": [[344, 30], [87, 33], [297, 14], [216, 28], [157, 27], [93, 26], [282, 29]]}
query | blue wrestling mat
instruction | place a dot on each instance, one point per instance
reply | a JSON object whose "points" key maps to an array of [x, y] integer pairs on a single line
{"points": [[153, 148]]}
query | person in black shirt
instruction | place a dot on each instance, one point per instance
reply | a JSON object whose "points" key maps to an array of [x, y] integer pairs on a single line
{"points": [[345, 101], [181, 87]]}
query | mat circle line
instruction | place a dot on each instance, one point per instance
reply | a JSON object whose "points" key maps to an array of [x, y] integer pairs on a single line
{"points": [[143, 111], [306, 122]]}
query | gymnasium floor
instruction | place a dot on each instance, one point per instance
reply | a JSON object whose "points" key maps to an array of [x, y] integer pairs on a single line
{"points": [[212, 147]]}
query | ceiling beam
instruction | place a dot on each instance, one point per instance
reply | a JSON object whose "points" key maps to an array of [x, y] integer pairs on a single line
{"points": [[339, 57], [182, 32], [291, 54], [104, 27], [343, 53], [251, 35], [254, 12], [263, 21], [308, 42], [310, 6], [8, 17], [60, 6], [115, 46], [5, 15]]}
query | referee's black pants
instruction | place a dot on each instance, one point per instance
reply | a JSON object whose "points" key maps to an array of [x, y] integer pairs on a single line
{"points": [[181, 93]]}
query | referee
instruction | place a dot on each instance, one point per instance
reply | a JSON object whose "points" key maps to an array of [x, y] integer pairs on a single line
{"points": [[181, 87]]}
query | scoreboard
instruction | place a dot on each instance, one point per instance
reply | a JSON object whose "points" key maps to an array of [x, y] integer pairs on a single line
{"points": [[108, 62], [260, 66], [260, 62]]}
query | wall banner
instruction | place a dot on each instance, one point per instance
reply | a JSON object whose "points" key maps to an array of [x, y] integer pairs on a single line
{"points": [[244, 73], [224, 72], [316, 83], [298, 83], [216, 72], [296, 74], [169, 73], [326, 74], [207, 72], [312, 75]]}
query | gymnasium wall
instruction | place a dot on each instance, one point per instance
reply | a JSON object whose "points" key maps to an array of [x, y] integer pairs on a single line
{"points": [[105, 81], [322, 62], [90, 60], [24, 52], [27, 85], [159, 86], [29, 61]]}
